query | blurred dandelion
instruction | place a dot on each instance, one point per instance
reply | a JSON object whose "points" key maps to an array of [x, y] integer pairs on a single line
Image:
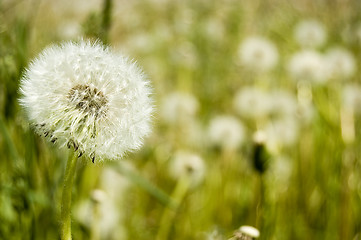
{"points": [[187, 165], [340, 62], [310, 33], [178, 107], [258, 54], [226, 131], [188, 169], [308, 65], [252, 102], [245, 233]]}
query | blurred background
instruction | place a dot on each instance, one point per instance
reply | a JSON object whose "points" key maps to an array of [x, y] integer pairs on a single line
{"points": [[258, 107]]}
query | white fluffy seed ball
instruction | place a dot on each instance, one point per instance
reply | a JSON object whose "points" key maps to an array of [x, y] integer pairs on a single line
{"points": [[310, 33], [258, 54], [87, 97], [252, 103], [187, 164], [226, 131], [340, 62], [179, 107], [309, 66]]}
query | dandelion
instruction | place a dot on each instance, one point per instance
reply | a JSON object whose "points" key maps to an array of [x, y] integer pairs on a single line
{"points": [[100, 214], [246, 233], [258, 54], [226, 131], [84, 96], [178, 107], [252, 102], [187, 165], [188, 169], [340, 62], [310, 33], [308, 65]]}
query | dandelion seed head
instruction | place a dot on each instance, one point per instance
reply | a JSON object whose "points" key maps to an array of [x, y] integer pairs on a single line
{"points": [[340, 62], [187, 164], [309, 66], [85, 96], [252, 102], [310, 33], [258, 54], [248, 232], [179, 106], [226, 131]]}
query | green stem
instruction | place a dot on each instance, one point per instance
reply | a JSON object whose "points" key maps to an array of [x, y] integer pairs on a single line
{"points": [[169, 213], [66, 198]]}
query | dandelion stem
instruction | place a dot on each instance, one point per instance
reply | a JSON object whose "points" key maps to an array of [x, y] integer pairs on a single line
{"points": [[169, 213], [66, 198]]}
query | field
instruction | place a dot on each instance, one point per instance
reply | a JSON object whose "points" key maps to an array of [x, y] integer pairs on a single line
{"points": [[257, 121]]}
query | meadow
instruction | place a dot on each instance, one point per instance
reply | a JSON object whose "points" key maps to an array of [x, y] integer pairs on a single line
{"points": [[257, 121]]}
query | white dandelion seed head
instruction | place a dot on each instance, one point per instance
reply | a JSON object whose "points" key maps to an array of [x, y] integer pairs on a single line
{"points": [[340, 62], [249, 231], [310, 33], [308, 65], [214, 29], [187, 164], [178, 107], [226, 131], [108, 217], [85, 96], [252, 102], [258, 54]]}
